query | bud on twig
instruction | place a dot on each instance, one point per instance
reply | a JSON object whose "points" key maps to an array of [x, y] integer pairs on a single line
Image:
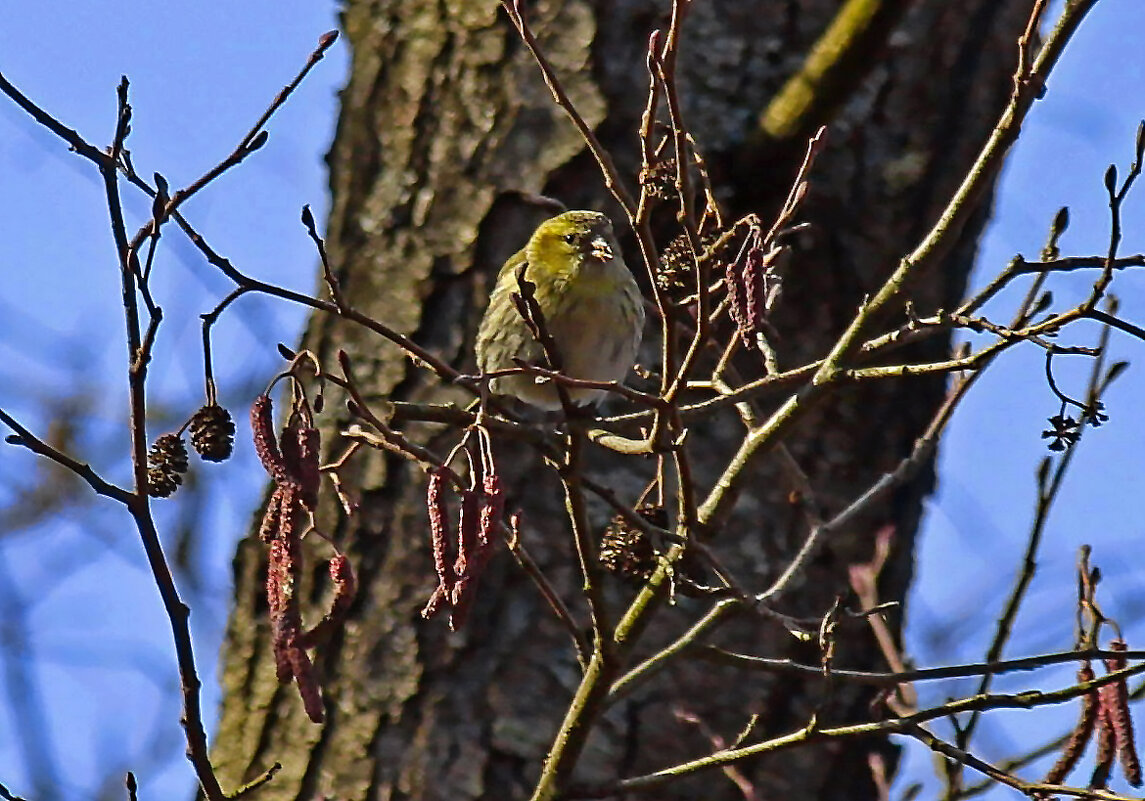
{"points": [[1060, 224], [159, 203], [258, 141]]}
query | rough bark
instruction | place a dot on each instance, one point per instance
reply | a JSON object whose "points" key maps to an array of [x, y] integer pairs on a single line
{"points": [[444, 118]]}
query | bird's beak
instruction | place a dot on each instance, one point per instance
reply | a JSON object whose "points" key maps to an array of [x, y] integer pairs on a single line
{"points": [[599, 249]]}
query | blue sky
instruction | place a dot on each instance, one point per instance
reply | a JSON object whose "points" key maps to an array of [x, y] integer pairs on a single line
{"points": [[99, 644]]}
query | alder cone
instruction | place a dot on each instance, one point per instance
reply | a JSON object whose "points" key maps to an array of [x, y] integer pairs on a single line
{"points": [[213, 433], [167, 462]]}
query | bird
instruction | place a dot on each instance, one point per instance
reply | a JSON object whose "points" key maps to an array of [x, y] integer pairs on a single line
{"points": [[591, 305]]}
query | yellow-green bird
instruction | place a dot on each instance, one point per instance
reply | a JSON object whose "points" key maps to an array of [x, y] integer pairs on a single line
{"points": [[591, 304]]}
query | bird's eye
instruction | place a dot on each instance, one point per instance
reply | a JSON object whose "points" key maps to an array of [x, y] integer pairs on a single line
{"points": [[570, 238]]}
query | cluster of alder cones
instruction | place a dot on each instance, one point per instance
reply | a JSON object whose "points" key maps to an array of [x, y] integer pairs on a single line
{"points": [[212, 437]]}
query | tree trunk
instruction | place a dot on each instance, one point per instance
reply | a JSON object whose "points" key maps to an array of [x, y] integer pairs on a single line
{"points": [[445, 119]]}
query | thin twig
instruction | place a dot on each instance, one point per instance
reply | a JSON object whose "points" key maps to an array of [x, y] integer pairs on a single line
{"points": [[814, 733], [7, 794], [548, 592], [891, 679], [1047, 495], [27, 439]]}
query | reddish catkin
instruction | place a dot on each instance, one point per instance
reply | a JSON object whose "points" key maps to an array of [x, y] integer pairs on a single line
{"points": [[345, 587], [265, 443], [294, 469], [1106, 747], [477, 554], [302, 464], [736, 299], [755, 295], [290, 659], [285, 620], [1082, 733], [288, 514], [439, 525], [268, 529], [1115, 697], [308, 688], [439, 534], [310, 448], [283, 569], [288, 446], [280, 578]]}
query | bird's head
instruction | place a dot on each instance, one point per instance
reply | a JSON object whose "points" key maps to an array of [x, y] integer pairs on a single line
{"points": [[571, 240]]}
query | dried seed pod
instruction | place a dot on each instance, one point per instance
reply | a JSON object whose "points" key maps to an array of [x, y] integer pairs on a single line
{"points": [[167, 462], [213, 433], [626, 550], [675, 274], [161, 484]]}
